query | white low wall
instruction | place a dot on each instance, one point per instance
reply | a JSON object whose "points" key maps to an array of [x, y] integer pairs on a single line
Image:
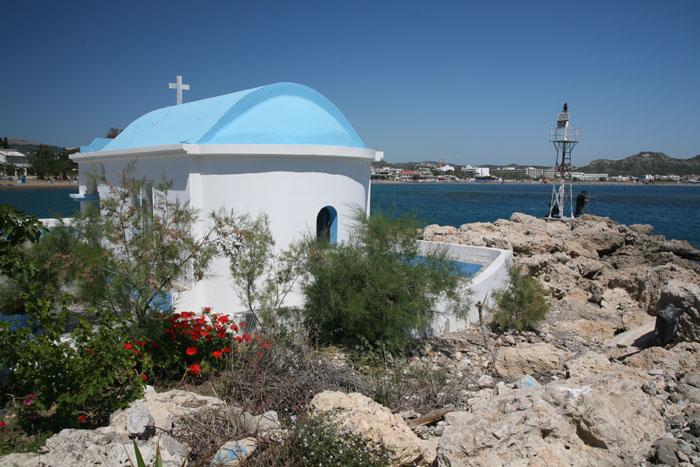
{"points": [[494, 275]]}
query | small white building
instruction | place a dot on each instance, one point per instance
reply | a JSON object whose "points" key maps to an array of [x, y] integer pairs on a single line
{"points": [[445, 168], [282, 149], [16, 158]]}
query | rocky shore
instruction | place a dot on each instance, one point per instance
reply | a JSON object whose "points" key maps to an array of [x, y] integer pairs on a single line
{"points": [[587, 388], [602, 394]]}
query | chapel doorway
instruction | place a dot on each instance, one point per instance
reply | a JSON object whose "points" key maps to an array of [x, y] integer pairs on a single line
{"points": [[327, 225]]}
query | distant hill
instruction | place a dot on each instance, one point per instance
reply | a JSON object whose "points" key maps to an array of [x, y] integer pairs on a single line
{"points": [[653, 163], [29, 147]]}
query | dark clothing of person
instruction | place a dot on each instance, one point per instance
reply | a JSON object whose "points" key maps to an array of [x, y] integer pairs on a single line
{"points": [[554, 212], [581, 201]]}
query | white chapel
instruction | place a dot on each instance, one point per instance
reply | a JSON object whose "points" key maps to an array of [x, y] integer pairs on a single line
{"points": [[282, 149]]}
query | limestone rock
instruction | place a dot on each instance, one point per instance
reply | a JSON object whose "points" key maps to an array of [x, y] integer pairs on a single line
{"points": [[597, 420], [435, 230], [260, 423], [167, 407], [644, 229], [375, 423], [70, 448], [139, 422], [515, 362], [682, 359], [686, 297], [91, 447]]}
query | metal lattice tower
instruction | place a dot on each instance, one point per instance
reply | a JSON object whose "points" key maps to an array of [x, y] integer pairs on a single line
{"points": [[564, 140]]}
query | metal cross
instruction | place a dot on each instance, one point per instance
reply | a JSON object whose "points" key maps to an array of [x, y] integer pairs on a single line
{"points": [[180, 87]]}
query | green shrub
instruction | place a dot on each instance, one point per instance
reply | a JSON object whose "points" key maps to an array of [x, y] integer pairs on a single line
{"points": [[16, 229], [317, 440], [377, 287], [58, 382], [123, 257], [262, 277], [520, 305]]}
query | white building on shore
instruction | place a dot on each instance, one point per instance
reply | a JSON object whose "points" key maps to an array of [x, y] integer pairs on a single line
{"points": [[16, 158], [283, 149]]}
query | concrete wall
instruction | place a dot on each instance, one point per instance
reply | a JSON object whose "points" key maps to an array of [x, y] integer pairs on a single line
{"points": [[492, 276]]}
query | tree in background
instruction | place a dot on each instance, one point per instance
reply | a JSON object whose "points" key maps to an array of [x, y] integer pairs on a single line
{"points": [[44, 163], [113, 133]]}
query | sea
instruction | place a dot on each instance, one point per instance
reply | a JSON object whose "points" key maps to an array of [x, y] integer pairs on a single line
{"points": [[673, 210]]}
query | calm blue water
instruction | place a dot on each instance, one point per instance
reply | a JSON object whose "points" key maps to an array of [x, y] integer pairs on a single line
{"points": [[672, 210], [43, 203]]}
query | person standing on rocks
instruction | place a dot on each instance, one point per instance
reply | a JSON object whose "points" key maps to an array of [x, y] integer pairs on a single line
{"points": [[581, 201]]}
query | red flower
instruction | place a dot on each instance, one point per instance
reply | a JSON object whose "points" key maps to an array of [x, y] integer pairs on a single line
{"points": [[207, 308], [226, 350], [267, 346], [216, 354], [242, 324], [144, 377], [239, 339], [234, 327], [194, 369], [223, 319], [221, 334], [81, 419], [127, 346], [191, 350], [135, 351], [2, 424]]}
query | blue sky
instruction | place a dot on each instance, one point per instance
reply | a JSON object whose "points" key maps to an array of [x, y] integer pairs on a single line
{"points": [[469, 82]]}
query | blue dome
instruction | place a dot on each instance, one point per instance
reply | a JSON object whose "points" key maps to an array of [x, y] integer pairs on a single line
{"points": [[281, 113]]}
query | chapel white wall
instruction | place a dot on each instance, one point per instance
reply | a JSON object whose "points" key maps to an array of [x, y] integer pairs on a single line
{"points": [[291, 190]]}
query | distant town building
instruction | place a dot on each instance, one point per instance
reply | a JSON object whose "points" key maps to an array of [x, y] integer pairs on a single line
{"points": [[16, 158]]}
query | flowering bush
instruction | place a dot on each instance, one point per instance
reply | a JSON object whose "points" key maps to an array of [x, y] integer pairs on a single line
{"points": [[57, 382], [191, 344]]}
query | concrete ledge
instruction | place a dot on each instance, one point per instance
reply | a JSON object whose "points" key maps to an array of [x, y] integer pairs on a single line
{"points": [[494, 275]]}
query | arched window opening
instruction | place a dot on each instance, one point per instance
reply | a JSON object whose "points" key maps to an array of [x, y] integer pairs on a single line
{"points": [[327, 224]]}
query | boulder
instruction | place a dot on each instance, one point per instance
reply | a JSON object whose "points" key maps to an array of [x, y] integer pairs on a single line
{"points": [[91, 447], [589, 330], [643, 229], [70, 448], [260, 423], [686, 297], [435, 230], [600, 234], [597, 420], [167, 407], [375, 423], [514, 362], [139, 422], [679, 360]]}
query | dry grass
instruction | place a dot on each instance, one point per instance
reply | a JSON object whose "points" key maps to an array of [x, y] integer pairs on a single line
{"points": [[285, 376]]}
